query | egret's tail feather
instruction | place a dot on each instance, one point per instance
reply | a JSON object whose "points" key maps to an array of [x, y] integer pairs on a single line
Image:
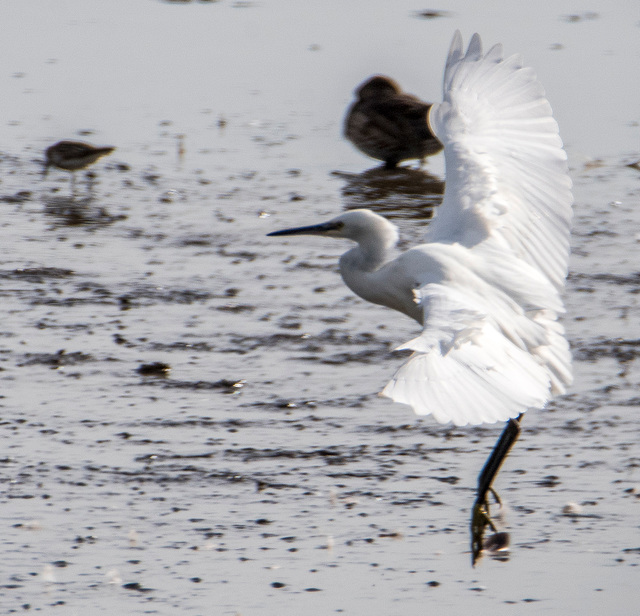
{"points": [[483, 380]]}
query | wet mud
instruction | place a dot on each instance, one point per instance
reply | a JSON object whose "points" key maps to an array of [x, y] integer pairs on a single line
{"points": [[232, 422]]}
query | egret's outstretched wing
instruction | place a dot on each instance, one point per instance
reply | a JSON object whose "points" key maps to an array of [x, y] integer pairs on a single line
{"points": [[491, 346], [506, 171]]}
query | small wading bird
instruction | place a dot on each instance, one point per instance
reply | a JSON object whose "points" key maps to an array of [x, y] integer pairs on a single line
{"points": [[73, 156], [486, 286], [389, 125]]}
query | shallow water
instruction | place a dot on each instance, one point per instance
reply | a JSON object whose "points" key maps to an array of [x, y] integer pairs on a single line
{"points": [[189, 419]]}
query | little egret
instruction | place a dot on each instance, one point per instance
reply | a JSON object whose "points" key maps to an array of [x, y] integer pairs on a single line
{"points": [[388, 124], [486, 285]]}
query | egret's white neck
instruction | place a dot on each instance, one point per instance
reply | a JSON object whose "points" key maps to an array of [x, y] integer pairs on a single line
{"points": [[368, 269], [375, 246], [365, 258]]}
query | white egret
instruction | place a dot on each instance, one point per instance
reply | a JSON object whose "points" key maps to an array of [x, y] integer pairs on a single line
{"points": [[486, 285]]}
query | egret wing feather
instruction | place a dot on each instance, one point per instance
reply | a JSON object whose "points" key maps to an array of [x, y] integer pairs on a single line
{"points": [[506, 171]]}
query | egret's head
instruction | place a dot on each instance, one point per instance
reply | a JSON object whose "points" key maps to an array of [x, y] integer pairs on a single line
{"points": [[362, 226]]}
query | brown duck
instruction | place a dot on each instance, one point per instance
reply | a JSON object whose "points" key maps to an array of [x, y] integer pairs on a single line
{"points": [[389, 124]]}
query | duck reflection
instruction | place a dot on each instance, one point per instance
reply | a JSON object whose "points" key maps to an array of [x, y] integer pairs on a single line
{"points": [[399, 193]]}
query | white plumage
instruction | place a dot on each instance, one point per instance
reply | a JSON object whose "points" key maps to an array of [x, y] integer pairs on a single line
{"points": [[486, 284]]}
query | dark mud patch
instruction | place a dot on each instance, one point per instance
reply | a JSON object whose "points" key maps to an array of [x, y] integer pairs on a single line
{"points": [[313, 345], [588, 282], [288, 404], [238, 256], [36, 275], [619, 349], [149, 295], [148, 458], [335, 455], [203, 240], [225, 386], [56, 360], [363, 357], [207, 423], [236, 308], [432, 14], [156, 369], [87, 292], [199, 347], [22, 196], [161, 471]]}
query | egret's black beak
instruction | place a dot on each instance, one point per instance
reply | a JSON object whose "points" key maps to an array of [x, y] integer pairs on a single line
{"points": [[320, 229]]}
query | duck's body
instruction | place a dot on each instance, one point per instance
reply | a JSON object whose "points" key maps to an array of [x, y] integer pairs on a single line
{"points": [[388, 124]]}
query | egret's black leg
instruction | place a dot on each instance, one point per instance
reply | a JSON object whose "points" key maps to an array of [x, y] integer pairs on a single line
{"points": [[480, 517], [491, 467]]}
